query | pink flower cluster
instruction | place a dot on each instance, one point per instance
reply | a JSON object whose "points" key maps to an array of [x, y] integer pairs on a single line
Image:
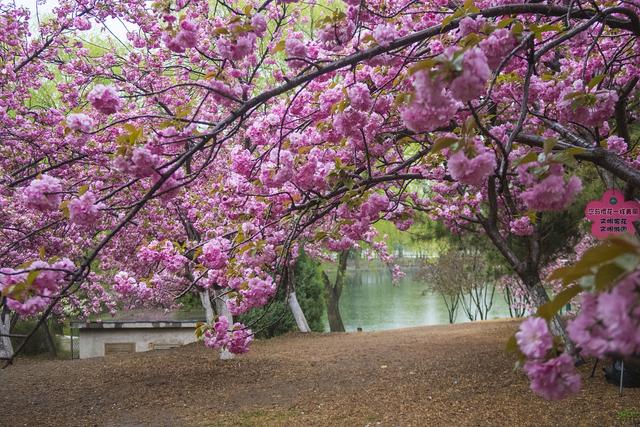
{"points": [[337, 35], [84, 210], [472, 171], [80, 122], [143, 162], [553, 378], [43, 194], [219, 336], [254, 292], [238, 48], [608, 323], [214, 253], [469, 25], [373, 206], [590, 109], [186, 37], [360, 97], [436, 99], [128, 289], [35, 297], [295, 48], [471, 83], [533, 338], [163, 253], [497, 46], [384, 34], [105, 99], [521, 226], [617, 145], [552, 193], [432, 107]]}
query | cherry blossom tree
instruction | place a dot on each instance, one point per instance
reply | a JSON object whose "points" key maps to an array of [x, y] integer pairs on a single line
{"points": [[203, 152]]}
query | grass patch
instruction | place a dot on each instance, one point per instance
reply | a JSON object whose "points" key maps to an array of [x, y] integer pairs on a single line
{"points": [[628, 415]]}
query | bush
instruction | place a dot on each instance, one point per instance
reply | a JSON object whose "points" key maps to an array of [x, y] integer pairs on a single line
{"points": [[276, 319], [38, 342]]}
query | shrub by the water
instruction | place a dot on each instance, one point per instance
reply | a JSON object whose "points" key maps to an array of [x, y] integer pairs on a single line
{"points": [[276, 319]]}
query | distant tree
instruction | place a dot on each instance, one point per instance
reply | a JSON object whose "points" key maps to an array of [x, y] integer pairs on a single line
{"points": [[443, 276]]}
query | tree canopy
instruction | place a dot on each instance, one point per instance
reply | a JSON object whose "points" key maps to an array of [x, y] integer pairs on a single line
{"points": [[222, 137]]}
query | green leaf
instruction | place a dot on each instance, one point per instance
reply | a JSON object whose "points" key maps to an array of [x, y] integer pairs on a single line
{"points": [[527, 158], [426, 64], [32, 276], [442, 143], [602, 253], [595, 81], [607, 275], [278, 47], [64, 207], [570, 274], [470, 7], [504, 22], [549, 143], [517, 28], [550, 309], [573, 151]]}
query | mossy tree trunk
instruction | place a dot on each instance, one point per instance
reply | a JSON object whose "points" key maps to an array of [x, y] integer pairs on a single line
{"points": [[333, 292]]}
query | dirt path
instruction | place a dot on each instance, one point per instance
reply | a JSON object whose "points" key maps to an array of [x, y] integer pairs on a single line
{"points": [[440, 375]]}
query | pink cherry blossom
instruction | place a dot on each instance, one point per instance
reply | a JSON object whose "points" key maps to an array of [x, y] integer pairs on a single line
{"points": [[360, 97], [608, 323], [471, 82], [214, 253], [84, 210], [521, 226], [384, 34], [553, 379], [104, 99], [80, 122], [617, 145], [497, 46], [433, 106], [43, 194], [186, 37], [471, 171], [552, 193], [533, 338]]}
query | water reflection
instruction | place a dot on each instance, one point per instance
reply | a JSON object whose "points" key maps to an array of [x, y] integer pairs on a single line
{"points": [[371, 302]]}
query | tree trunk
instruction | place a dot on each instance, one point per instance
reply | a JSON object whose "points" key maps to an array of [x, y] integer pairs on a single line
{"points": [[205, 299], [539, 296], [297, 312], [223, 310], [333, 294], [6, 348], [333, 310]]}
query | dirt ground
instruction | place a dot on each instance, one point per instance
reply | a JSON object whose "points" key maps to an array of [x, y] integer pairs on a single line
{"points": [[431, 376]]}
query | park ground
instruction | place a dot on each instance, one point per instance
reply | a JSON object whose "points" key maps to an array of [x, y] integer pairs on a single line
{"points": [[455, 375]]}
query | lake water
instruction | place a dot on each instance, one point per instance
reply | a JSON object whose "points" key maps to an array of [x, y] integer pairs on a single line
{"points": [[370, 301]]}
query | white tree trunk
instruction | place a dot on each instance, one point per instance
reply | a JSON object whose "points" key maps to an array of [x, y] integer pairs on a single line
{"points": [[6, 348], [223, 310], [205, 299], [298, 314]]}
